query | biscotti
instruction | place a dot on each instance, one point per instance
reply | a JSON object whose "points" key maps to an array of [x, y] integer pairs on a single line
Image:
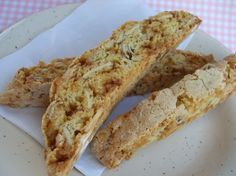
{"points": [[30, 86], [165, 111], [84, 96]]}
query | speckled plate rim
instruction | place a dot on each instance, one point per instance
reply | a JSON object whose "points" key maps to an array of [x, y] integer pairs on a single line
{"points": [[22, 32]]}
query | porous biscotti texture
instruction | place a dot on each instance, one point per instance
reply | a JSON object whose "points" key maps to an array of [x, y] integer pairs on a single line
{"points": [[165, 111], [84, 96], [30, 86], [170, 69]]}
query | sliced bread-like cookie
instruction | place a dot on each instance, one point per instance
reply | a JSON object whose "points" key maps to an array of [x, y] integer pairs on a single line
{"points": [[165, 111]]}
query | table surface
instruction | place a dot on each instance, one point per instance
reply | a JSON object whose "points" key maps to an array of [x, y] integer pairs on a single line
{"points": [[219, 17]]}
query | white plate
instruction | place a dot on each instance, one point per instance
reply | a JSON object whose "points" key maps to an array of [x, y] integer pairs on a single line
{"points": [[205, 147]]}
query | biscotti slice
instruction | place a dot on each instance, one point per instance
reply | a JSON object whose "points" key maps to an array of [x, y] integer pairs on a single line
{"points": [[170, 69], [165, 111], [30, 86], [84, 96]]}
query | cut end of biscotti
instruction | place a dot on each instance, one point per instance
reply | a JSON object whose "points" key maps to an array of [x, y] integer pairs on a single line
{"points": [[30, 86], [9, 98]]}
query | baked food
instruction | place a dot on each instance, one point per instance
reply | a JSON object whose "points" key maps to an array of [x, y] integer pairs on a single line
{"points": [[170, 69], [30, 86], [84, 96], [165, 111]]}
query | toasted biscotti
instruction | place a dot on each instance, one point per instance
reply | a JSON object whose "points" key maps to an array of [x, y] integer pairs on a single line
{"points": [[30, 86], [170, 69], [84, 96], [165, 111]]}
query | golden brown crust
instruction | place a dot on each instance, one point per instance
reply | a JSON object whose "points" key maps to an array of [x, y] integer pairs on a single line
{"points": [[30, 86], [165, 111], [81, 99]]}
